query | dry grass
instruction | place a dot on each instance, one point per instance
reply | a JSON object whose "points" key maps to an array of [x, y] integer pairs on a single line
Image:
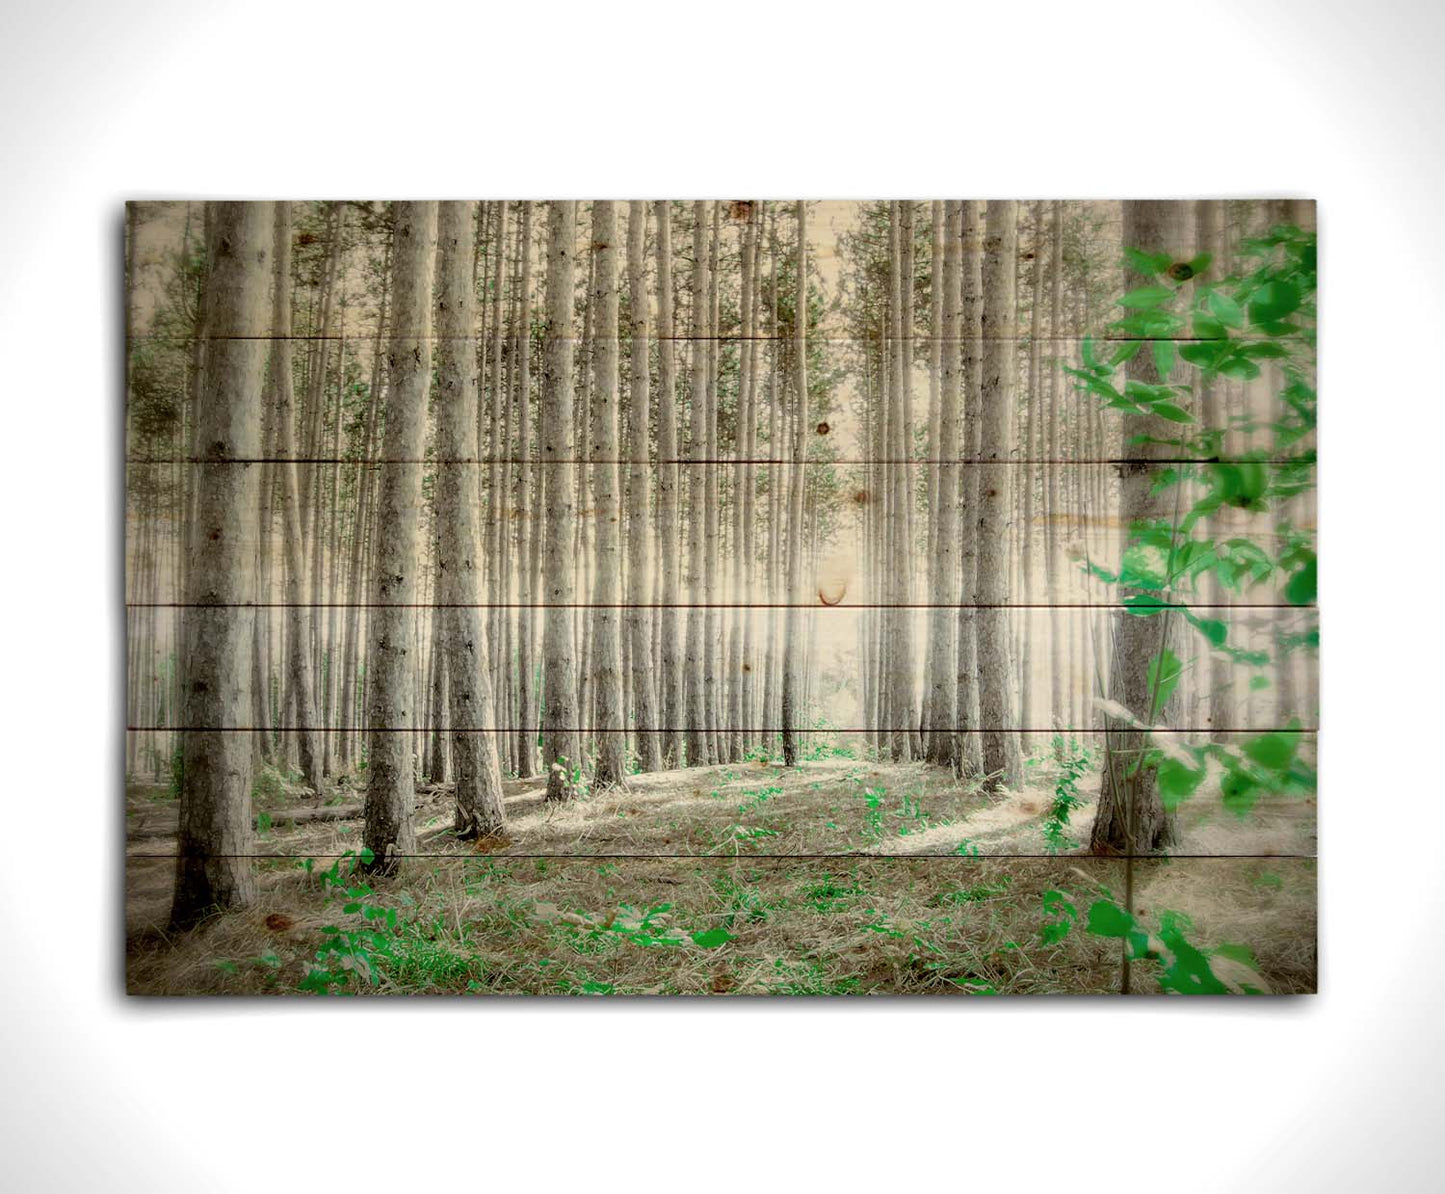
{"points": [[577, 899], [578, 926]]}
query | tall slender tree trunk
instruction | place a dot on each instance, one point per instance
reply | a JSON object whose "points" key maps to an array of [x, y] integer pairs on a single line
{"points": [[607, 726], [696, 661], [639, 628], [770, 717], [712, 558], [793, 628], [1032, 464], [999, 745], [561, 744], [668, 496], [479, 810], [903, 716], [298, 659], [391, 776], [944, 589], [527, 530], [1053, 425], [747, 451], [213, 865]]}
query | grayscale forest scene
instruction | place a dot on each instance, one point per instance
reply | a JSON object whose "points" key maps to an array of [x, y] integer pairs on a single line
{"points": [[721, 597]]}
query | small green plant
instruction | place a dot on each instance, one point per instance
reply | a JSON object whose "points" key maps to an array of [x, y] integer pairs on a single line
{"points": [[1179, 966], [573, 776], [354, 950], [1074, 762]]}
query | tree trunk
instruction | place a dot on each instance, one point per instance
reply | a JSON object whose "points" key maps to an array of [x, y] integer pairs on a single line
{"points": [[561, 744], [478, 790], [608, 727], [298, 662], [668, 495], [793, 629], [944, 590], [213, 866], [527, 530], [695, 663], [1131, 818], [639, 629], [391, 777], [999, 744], [969, 757]]}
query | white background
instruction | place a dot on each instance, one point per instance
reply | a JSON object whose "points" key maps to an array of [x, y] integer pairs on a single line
{"points": [[105, 101]]}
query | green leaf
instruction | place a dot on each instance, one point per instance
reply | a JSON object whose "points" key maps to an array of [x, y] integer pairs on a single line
{"points": [[1125, 352], [1202, 355], [1164, 357], [1164, 672], [1239, 368], [1274, 750], [1107, 919], [1146, 298], [711, 938], [1207, 328], [1146, 605], [1273, 301], [1199, 263], [1177, 782], [1213, 629], [1226, 310], [1302, 586], [1265, 350], [1238, 792], [1148, 264], [1175, 414]]}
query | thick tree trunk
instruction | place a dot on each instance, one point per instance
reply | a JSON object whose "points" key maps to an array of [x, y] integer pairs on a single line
{"points": [[391, 776], [999, 745], [561, 744], [1131, 818], [213, 865], [474, 758]]}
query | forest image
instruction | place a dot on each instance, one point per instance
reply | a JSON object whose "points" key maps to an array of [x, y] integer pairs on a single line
{"points": [[721, 597]]}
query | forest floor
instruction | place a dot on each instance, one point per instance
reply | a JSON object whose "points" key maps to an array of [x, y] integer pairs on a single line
{"points": [[843, 875]]}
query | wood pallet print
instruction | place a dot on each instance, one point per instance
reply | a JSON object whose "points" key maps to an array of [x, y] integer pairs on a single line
{"points": [[731, 597]]}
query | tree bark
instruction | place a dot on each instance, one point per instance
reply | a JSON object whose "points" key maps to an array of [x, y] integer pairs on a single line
{"points": [[607, 727], [390, 790], [213, 866], [1131, 818], [999, 745], [668, 496], [945, 565], [696, 661], [639, 629], [561, 744], [479, 811], [793, 629]]}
